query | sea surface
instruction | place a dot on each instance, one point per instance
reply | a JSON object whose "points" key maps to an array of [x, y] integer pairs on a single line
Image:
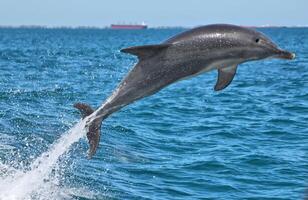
{"points": [[249, 141]]}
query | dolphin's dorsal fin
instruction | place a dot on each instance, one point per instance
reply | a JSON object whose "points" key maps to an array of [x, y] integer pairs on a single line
{"points": [[145, 51], [225, 77]]}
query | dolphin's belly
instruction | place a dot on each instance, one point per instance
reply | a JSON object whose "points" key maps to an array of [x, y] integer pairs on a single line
{"points": [[149, 77], [144, 81]]}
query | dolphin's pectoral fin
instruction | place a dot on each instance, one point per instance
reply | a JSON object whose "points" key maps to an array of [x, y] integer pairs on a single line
{"points": [[93, 133], [145, 51], [225, 77]]}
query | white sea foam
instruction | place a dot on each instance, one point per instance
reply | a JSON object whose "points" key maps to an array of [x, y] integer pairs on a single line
{"points": [[32, 184]]}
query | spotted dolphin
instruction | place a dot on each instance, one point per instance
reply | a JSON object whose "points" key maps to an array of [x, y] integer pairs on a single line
{"points": [[220, 47]]}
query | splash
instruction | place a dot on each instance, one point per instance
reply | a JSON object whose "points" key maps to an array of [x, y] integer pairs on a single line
{"points": [[22, 185]]}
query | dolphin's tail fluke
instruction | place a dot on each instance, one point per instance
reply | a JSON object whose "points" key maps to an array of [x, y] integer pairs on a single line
{"points": [[94, 127]]}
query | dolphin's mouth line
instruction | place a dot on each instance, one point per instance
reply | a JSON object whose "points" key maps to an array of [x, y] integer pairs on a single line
{"points": [[285, 55]]}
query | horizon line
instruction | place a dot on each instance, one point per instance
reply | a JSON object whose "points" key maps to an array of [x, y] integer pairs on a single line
{"points": [[149, 27]]}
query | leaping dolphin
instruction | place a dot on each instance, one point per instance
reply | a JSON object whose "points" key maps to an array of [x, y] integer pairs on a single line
{"points": [[218, 46]]}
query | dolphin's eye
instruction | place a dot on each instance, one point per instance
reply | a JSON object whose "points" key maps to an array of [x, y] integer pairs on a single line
{"points": [[257, 40]]}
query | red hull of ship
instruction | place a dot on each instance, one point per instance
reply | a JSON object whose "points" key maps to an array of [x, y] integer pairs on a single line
{"points": [[119, 26]]}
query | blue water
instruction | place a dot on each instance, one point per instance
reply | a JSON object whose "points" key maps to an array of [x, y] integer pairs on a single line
{"points": [[248, 141]]}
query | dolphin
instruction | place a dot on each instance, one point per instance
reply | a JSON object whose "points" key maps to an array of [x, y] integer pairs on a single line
{"points": [[220, 47]]}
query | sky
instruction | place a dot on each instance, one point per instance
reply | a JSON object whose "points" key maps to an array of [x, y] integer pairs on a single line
{"points": [[188, 13]]}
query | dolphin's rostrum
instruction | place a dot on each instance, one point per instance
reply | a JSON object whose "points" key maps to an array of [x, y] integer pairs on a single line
{"points": [[219, 46]]}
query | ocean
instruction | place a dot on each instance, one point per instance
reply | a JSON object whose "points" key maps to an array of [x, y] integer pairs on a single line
{"points": [[248, 141]]}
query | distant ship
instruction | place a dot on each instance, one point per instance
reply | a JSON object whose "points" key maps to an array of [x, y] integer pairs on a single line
{"points": [[129, 26]]}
